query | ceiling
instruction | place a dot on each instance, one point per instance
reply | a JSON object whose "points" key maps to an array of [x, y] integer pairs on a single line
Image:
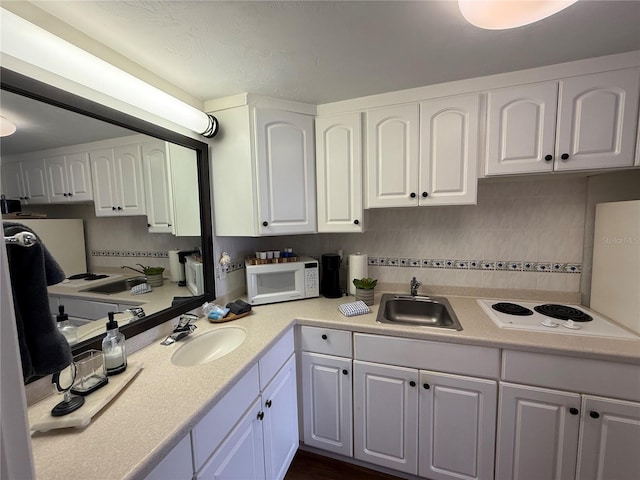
{"points": [[321, 52], [312, 52]]}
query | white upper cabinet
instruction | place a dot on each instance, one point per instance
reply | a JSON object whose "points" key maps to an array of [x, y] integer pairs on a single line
{"points": [[449, 151], [157, 187], [69, 178], [577, 123], [339, 173], [117, 181], [263, 171], [393, 156], [13, 181], [35, 181]]}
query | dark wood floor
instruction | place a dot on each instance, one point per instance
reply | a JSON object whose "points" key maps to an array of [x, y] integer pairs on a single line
{"points": [[309, 466]]}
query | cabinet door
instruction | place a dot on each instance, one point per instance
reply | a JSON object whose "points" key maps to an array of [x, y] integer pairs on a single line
{"points": [[521, 129], [280, 425], [339, 173], [79, 177], [35, 181], [57, 178], [327, 403], [129, 184], [240, 456], [13, 181], [286, 172], [176, 465], [385, 402], [104, 182], [449, 153], [392, 156], [157, 188], [537, 433], [457, 426], [597, 120], [609, 439]]}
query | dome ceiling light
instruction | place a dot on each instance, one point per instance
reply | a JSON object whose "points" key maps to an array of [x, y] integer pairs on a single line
{"points": [[504, 14], [7, 127]]}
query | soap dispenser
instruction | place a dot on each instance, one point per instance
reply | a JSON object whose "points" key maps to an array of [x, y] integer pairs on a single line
{"points": [[65, 327], [113, 351]]}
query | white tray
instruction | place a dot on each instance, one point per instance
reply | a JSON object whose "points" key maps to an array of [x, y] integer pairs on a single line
{"points": [[93, 403]]}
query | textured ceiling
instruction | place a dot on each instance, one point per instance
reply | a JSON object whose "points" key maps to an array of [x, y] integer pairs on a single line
{"points": [[319, 52]]}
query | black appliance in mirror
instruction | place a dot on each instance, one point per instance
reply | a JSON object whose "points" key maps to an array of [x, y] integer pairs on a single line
{"points": [[330, 282]]}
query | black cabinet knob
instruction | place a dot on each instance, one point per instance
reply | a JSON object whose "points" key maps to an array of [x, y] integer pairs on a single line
{"points": [[345, 372], [356, 222], [574, 411], [425, 194], [426, 386], [268, 403], [119, 208], [70, 194], [113, 208], [548, 158], [594, 414], [260, 415], [65, 194], [412, 383], [324, 337], [265, 224], [412, 194], [564, 156]]}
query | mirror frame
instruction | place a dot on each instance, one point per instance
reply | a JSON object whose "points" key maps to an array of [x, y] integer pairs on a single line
{"points": [[37, 90]]}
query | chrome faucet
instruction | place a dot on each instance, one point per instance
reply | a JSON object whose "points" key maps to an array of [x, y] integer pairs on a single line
{"points": [[415, 284], [182, 329]]}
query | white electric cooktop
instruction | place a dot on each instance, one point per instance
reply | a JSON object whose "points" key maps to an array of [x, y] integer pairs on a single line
{"points": [[552, 318]]}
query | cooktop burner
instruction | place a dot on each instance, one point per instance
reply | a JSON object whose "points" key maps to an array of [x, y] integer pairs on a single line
{"points": [[511, 309], [562, 312]]}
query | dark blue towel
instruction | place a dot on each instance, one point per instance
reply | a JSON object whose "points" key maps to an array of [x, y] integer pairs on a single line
{"points": [[43, 349]]}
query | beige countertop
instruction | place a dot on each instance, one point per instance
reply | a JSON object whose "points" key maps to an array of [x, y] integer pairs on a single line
{"points": [[164, 402]]}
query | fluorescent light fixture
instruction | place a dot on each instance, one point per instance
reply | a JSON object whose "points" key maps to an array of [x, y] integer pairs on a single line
{"points": [[503, 14], [7, 127], [33, 45]]}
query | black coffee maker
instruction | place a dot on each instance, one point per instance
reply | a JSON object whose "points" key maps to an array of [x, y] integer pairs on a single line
{"points": [[330, 282]]}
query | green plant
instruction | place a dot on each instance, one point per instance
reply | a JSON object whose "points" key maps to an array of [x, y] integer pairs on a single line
{"points": [[151, 270], [365, 283]]}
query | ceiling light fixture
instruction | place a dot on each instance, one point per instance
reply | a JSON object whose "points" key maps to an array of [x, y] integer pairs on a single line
{"points": [[504, 14], [31, 44], [7, 127]]}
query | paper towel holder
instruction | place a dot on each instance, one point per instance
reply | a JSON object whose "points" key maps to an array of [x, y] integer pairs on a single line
{"points": [[182, 259]]}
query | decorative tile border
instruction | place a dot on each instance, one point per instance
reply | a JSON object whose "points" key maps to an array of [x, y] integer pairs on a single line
{"points": [[129, 253], [462, 264]]}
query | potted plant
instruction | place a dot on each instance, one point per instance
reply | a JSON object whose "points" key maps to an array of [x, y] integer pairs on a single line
{"points": [[365, 289], [153, 274]]}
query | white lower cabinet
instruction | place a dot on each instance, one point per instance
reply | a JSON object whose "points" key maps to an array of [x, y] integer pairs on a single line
{"points": [[176, 465], [546, 433]]}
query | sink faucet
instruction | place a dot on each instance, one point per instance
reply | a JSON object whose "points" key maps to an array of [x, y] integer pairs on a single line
{"points": [[182, 329], [415, 284]]}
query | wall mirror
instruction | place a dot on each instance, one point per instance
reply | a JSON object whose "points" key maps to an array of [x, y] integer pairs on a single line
{"points": [[38, 96]]}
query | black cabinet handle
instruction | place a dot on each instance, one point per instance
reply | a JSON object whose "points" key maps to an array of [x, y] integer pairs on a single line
{"points": [[324, 337], [564, 156], [268, 403], [425, 194], [548, 158], [356, 222], [412, 194], [345, 372], [260, 415], [265, 224], [574, 411], [426, 386], [412, 383], [594, 414]]}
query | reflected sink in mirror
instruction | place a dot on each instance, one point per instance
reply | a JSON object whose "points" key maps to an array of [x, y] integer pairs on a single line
{"points": [[418, 311], [117, 286], [209, 346]]}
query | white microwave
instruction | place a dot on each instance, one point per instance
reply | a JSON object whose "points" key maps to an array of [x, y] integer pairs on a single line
{"points": [[282, 282], [194, 276]]}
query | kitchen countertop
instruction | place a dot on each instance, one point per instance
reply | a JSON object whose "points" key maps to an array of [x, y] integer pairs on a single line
{"points": [[164, 402]]}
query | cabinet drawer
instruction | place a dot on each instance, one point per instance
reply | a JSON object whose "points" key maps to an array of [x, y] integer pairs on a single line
{"points": [[325, 340], [598, 377], [215, 426], [428, 355], [273, 360]]}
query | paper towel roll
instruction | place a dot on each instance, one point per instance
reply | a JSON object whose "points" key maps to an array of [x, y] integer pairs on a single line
{"points": [[358, 268], [176, 269]]}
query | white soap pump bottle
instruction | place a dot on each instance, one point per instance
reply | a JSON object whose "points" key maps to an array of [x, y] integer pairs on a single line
{"points": [[113, 349]]}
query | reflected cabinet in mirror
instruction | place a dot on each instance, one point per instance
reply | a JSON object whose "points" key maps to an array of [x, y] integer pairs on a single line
{"points": [[114, 199]]}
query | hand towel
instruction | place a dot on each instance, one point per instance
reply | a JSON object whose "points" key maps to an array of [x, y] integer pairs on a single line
{"points": [[354, 308]]}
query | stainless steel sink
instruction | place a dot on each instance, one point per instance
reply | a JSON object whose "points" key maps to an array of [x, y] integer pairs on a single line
{"points": [[419, 311], [117, 286]]}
